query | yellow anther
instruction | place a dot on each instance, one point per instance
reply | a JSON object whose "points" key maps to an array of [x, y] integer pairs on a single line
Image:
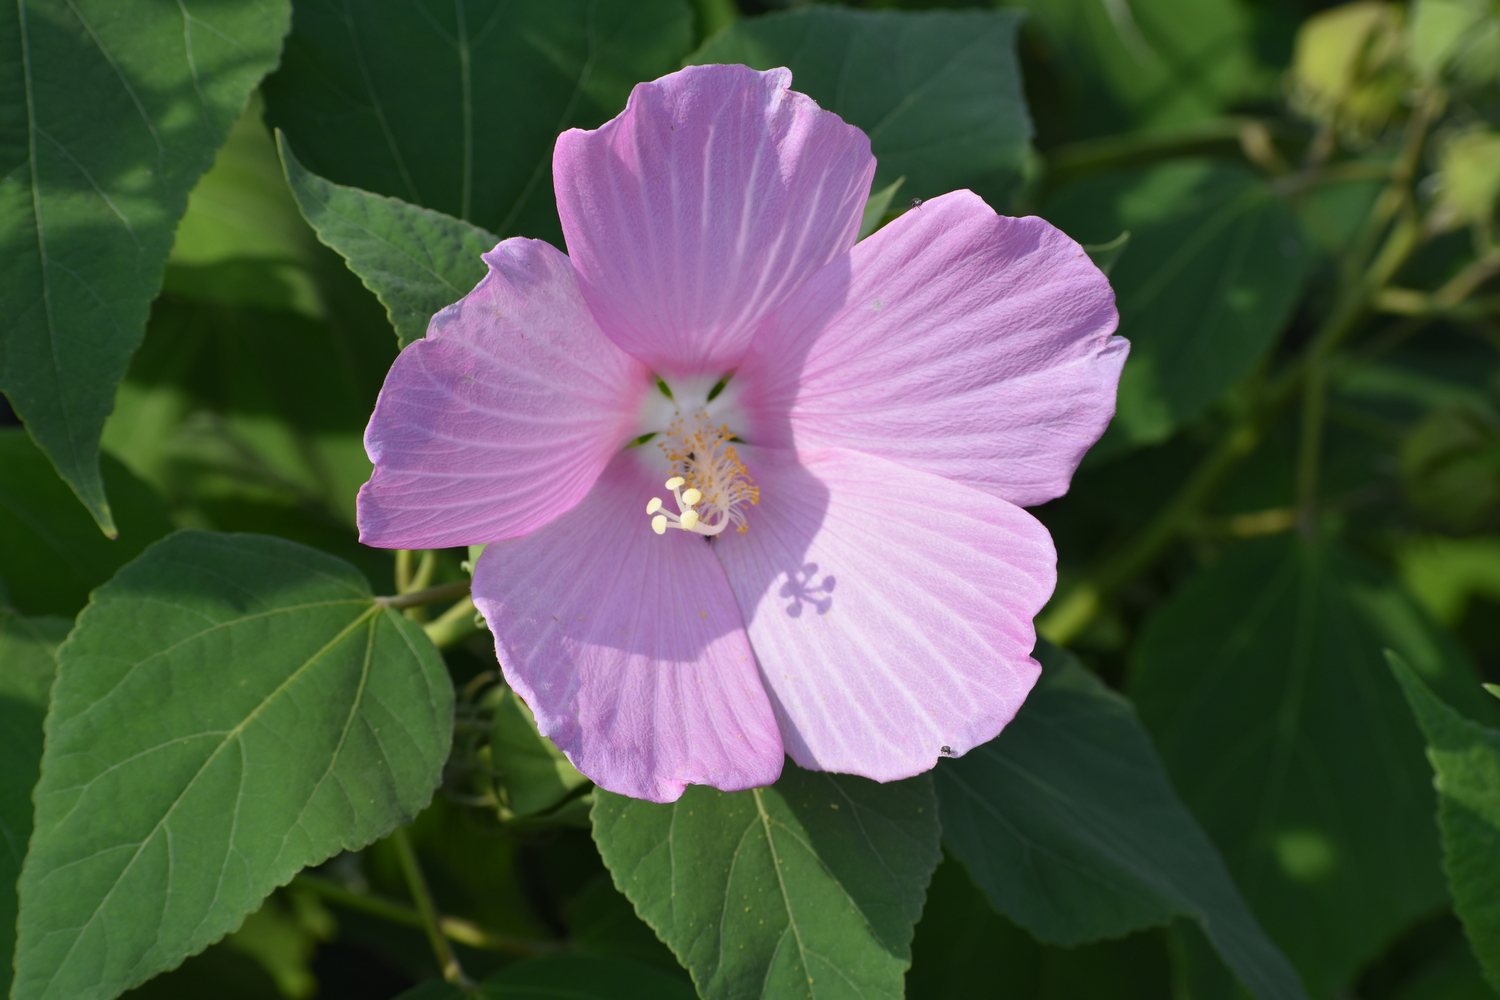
{"points": [[654, 505], [691, 497], [659, 524]]}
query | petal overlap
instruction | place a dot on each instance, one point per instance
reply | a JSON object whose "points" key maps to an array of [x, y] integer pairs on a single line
{"points": [[502, 417], [890, 609], [629, 647], [699, 209], [954, 340]]}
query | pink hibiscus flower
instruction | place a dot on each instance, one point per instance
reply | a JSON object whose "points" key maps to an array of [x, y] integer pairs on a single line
{"points": [[750, 488]]}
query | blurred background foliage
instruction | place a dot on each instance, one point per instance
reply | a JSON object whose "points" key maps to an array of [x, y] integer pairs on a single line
{"points": [[1296, 203]]}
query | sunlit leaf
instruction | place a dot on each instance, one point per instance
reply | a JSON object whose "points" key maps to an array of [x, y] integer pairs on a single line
{"points": [[808, 887], [229, 709], [113, 109], [1466, 759]]}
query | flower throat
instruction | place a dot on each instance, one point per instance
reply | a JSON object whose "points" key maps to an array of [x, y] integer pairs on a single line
{"points": [[711, 486]]}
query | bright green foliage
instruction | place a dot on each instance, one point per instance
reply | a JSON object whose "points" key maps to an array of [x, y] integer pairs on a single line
{"points": [[229, 709], [1149, 63], [49, 550], [1470, 184], [1465, 757], [28, 661], [1263, 683], [939, 92], [1460, 38], [570, 977], [809, 887], [1214, 265], [1347, 70], [425, 103], [1068, 823], [113, 109], [414, 259]]}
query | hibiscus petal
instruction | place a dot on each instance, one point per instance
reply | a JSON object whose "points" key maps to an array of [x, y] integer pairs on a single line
{"points": [[890, 609], [700, 208], [628, 646], [955, 340], [502, 417]]}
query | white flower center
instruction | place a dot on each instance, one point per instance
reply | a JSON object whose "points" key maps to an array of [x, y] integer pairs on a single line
{"points": [[711, 486]]}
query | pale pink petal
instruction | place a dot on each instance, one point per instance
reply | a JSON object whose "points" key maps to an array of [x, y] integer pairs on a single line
{"points": [[702, 206], [890, 609], [629, 647], [954, 340], [502, 417]]}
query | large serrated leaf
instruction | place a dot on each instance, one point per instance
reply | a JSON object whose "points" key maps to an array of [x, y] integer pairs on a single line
{"points": [[1068, 823], [939, 92], [112, 110], [414, 259], [1264, 684], [28, 660], [229, 709], [1465, 758], [456, 106], [808, 888]]}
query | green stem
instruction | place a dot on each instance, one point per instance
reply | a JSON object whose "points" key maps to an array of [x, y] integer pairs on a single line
{"points": [[416, 884], [454, 929], [1310, 446], [432, 595], [454, 625]]}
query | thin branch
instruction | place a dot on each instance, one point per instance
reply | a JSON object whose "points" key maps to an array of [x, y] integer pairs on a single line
{"points": [[432, 595], [416, 884]]}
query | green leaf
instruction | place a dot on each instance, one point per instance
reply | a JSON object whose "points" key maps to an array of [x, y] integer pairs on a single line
{"points": [[1068, 823], [114, 108], [229, 709], [28, 661], [50, 552], [1465, 758], [1214, 266], [809, 887], [1263, 683], [877, 205], [1146, 63], [938, 92], [415, 260], [455, 107]]}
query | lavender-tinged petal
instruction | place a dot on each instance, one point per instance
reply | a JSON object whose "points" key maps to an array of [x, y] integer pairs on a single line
{"points": [[628, 646], [890, 609], [503, 416], [954, 340], [702, 206]]}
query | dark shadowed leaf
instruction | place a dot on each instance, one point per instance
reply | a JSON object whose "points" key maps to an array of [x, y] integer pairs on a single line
{"points": [[1212, 269], [455, 106], [808, 888], [938, 92], [1068, 823], [414, 259], [568, 977], [1264, 684], [50, 552], [28, 661], [113, 109], [1465, 757], [229, 709], [1146, 62]]}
